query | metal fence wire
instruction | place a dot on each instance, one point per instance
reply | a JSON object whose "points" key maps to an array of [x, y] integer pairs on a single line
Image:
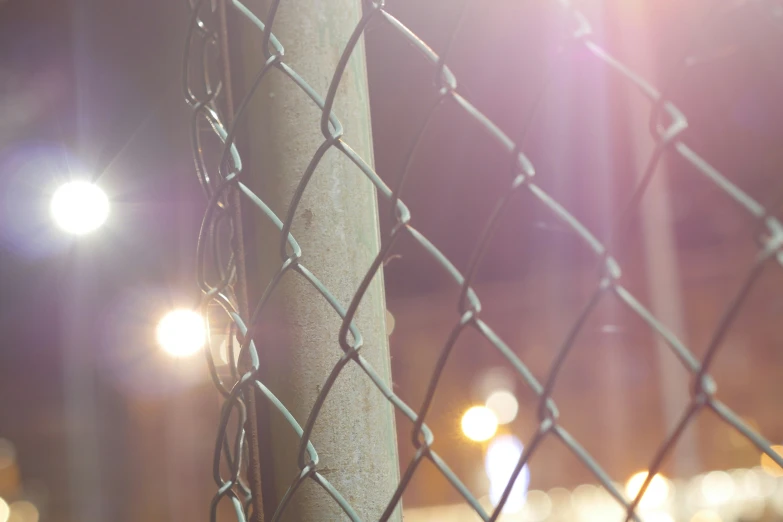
{"points": [[221, 271]]}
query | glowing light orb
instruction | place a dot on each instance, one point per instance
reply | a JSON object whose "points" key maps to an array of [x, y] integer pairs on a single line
{"points": [[657, 516], [23, 511], [181, 333], [504, 404], [479, 423], [5, 511], [717, 487], [656, 493], [706, 515], [7, 455], [79, 207], [500, 461], [538, 506], [769, 465]]}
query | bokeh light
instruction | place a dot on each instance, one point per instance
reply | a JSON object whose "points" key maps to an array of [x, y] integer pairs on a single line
{"points": [[746, 482], [538, 506], [7, 454], [23, 511], [31, 171], [751, 508], [768, 484], [585, 497], [706, 515], [717, 487], [502, 456], [657, 516], [79, 207], [561, 503], [5, 511], [479, 423], [9, 472], [595, 504], [492, 380], [769, 465], [504, 405], [776, 503], [655, 495], [130, 355], [181, 333]]}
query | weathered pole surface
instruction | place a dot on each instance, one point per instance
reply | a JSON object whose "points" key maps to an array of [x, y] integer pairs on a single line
{"points": [[336, 224]]}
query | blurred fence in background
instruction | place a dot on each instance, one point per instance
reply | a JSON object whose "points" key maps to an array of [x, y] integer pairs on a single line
{"points": [[222, 279]]}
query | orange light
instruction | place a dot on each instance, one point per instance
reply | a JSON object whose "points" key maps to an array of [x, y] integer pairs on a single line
{"points": [[23, 511], [182, 333], [769, 465], [656, 493], [479, 423]]}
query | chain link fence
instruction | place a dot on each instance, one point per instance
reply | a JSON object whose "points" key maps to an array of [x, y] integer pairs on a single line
{"points": [[221, 271]]}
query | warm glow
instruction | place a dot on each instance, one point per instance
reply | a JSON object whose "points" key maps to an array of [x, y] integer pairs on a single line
{"points": [[493, 379], [7, 455], [561, 499], [657, 516], [504, 405], [585, 497], [181, 333], [706, 515], [23, 511], [79, 207], [502, 457], [717, 487], [656, 493], [538, 506], [479, 423], [769, 465], [223, 350], [5, 511]]}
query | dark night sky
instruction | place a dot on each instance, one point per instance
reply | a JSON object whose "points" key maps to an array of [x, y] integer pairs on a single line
{"points": [[92, 86]]}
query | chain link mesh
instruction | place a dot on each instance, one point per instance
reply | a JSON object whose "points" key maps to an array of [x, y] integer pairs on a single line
{"points": [[221, 280]]}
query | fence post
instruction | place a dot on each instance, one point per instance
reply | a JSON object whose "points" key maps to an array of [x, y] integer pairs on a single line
{"points": [[336, 225]]}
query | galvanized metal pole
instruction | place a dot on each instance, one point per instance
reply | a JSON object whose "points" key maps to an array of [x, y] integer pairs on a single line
{"points": [[336, 225]]}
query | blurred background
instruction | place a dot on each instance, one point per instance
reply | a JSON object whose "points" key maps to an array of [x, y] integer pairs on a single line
{"points": [[97, 423]]}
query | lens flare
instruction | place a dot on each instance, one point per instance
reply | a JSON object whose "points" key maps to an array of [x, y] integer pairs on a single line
{"points": [[502, 457], [656, 493], [79, 207], [479, 423], [181, 333]]}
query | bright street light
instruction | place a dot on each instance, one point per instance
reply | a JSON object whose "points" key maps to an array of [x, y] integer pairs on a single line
{"points": [[479, 423], [182, 333], [79, 207], [656, 493], [501, 460]]}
